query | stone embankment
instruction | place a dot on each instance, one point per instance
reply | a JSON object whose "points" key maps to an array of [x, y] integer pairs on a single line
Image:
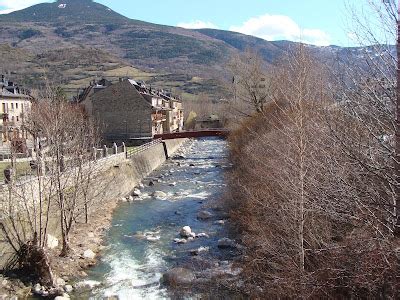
{"points": [[117, 178]]}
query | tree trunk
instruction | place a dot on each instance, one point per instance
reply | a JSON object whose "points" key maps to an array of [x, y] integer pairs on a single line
{"points": [[66, 249]]}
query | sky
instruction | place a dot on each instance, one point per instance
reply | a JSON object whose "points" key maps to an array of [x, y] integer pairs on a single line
{"points": [[318, 22]]}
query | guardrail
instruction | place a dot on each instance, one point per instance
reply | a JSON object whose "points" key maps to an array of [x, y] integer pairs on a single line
{"points": [[140, 149]]}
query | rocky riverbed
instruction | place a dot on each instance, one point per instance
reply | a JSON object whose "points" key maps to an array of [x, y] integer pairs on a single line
{"points": [[171, 237]]}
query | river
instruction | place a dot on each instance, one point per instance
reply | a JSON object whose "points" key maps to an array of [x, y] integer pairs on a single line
{"points": [[140, 248]]}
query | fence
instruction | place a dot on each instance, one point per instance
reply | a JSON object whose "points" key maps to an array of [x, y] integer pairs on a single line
{"points": [[26, 170], [99, 153], [140, 149]]}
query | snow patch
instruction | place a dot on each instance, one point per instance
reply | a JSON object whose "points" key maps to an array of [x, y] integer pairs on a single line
{"points": [[62, 5]]}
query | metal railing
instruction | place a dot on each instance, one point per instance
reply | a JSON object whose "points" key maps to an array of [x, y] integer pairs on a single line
{"points": [[140, 149]]}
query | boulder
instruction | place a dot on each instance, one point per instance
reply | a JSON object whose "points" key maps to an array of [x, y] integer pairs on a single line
{"points": [[178, 276], [89, 254], [151, 183], [226, 243], [204, 215], [60, 282], [52, 242], [37, 289], [136, 193], [172, 184], [180, 241], [61, 298], [220, 222], [141, 186], [159, 194], [200, 235], [199, 250], [186, 232], [68, 288], [123, 199]]}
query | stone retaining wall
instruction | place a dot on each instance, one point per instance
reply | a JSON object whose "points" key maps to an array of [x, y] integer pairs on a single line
{"points": [[114, 177]]}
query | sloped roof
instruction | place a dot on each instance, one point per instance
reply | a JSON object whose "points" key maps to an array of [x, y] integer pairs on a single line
{"points": [[5, 93]]}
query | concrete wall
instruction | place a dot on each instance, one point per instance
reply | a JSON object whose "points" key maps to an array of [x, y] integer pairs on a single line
{"points": [[172, 146]]}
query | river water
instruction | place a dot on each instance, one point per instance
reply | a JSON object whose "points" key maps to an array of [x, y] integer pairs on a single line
{"points": [[139, 246]]}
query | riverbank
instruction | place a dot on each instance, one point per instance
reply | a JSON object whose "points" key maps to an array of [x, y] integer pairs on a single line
{"points": [[86, 239]]}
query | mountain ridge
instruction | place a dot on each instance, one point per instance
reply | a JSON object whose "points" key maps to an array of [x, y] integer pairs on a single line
{"points": [[72, 24]]}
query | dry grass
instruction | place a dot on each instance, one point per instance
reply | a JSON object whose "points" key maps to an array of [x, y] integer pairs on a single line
{"points": [[22, 169]]}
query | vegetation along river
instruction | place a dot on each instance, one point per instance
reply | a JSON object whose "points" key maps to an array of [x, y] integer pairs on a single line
{"points": [[140, 245]]}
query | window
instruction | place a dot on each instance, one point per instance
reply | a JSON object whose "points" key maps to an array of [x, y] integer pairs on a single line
{"points": [[16, 105], [17, 118], [12, 118], [12, 105], [4, 107], [22, 106]]}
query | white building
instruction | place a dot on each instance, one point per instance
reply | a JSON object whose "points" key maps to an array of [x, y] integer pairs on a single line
{"points": [[15, 102]]}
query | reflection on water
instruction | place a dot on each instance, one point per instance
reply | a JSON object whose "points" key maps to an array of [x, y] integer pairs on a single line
{"points": [[139, 245]]}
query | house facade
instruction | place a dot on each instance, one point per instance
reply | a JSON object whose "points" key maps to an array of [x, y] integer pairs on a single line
{"points": [[128, 110], [15, 104]]}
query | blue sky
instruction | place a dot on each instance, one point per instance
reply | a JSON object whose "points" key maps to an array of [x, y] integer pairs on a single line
{"points": [[320, 22]]}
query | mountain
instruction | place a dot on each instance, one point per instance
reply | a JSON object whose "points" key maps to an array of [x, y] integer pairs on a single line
{"points": [[54, 38], [66, 11]]}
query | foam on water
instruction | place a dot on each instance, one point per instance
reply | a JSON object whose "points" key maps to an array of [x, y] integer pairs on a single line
{"points": [[129, 279]]}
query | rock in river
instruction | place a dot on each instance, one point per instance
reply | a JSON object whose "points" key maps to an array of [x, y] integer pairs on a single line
{"points": [[199, 250], [204, 215], [226, 243], [136, 193], [186, 232], [178, 276], [160, 195], [180, 241]]}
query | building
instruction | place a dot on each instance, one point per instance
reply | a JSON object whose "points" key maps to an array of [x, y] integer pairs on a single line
{"points": [[130, 111], [15, 103]]}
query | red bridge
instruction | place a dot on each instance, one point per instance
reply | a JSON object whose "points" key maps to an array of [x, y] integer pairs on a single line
{"points": [[193, 134]]}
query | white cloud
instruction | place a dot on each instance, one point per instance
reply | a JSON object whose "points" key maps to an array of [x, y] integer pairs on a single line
{"points": [[279, 27], [197, 25], [13, 5]]}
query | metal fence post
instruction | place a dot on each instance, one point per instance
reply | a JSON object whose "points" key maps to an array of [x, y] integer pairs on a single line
{"points": [[115, 148], [124, 149], [94, 153], [105, 151]]}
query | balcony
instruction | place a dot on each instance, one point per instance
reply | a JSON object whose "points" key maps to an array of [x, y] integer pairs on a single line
{"points": [[158, 118]]}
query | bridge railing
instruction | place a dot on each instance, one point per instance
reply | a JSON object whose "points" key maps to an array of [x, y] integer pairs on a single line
{"points": [[140, 149]]}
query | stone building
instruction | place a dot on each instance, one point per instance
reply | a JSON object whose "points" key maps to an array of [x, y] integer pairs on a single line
{"points": [[15, 104], [130, 111]]}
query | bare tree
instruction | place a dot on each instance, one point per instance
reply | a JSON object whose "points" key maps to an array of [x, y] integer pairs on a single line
{"points": [[69, 138], [369, 93], [57, 194], [313, 188], [250, 83]]}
